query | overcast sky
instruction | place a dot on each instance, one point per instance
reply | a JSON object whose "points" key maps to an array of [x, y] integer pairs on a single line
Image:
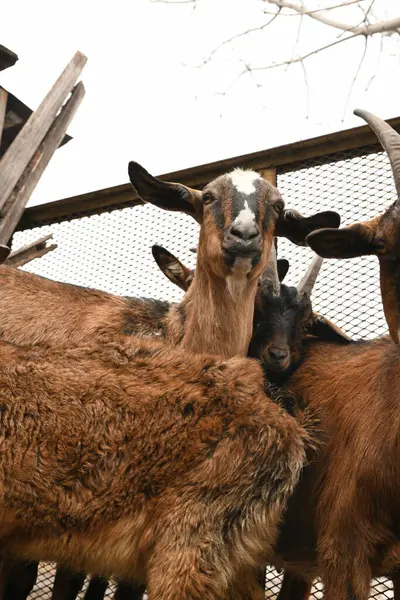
{"points": [[147, 101]]}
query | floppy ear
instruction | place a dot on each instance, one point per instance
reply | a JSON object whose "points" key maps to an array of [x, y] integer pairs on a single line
{"points": [[352, 241], [292, 225], [283, 267], [325, 330], [169, 196], [172, 267], [4, 252]]}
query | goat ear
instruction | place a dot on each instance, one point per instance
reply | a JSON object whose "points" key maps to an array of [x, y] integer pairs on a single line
{"points": [[172, 267], [352, 241], [4, 252], [169, 196], [324, 329], [292, 225], [283, 267]]}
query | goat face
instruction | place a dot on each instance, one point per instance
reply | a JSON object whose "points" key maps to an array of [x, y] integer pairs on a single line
{"points": [[240, 210], [379, 236], [237, 212], [283, 316], [280, 324]]}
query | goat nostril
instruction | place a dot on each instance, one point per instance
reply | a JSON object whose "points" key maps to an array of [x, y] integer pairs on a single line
{"points": [[245, 232], [278, 354]]}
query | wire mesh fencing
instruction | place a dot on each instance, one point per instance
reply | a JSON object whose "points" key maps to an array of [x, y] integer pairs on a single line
{"points": [[112, 251]]}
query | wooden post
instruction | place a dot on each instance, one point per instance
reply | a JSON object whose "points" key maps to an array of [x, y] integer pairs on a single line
{"points": [[27, 183], [15, 160], [270, 175], [3, 107]]}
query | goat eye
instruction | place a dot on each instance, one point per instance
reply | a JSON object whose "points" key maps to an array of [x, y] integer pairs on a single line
{"points": [[279, 206], [207, 198]]}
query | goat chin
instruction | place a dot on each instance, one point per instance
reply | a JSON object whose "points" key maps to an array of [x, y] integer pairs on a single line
{"points": [[119, 459]]}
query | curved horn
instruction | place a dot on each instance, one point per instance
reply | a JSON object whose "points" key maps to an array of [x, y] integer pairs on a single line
{"points": [[389, 139], [270, 274], [307, 283]]}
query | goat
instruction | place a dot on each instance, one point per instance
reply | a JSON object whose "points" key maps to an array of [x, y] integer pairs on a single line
{"points": [[229, 263], [144, 462], [359, 424], [237, 213], [349, 534]]}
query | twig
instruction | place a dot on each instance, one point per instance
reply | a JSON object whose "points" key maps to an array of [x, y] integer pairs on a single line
{"points": [[355, 77], [375, 72], [235, 37], [307, 88]]}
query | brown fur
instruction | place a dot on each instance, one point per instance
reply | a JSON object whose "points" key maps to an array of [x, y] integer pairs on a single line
{"points": [[343, 519], [125, 459]]}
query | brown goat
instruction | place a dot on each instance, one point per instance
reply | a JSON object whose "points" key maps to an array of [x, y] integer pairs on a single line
{"points": [[343, 520], [222, 291], [144, 462], [238, 213], [328, 529]]}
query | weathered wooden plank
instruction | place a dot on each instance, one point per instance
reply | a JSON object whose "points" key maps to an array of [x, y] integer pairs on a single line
{"points": [[27, 183], [20, 152], [3, 108], [29, 252], [41, 242]]}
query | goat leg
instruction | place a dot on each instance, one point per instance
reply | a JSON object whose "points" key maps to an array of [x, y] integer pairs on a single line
{"points": [[67, 584], [19, 579], [129, 591], [96, 589], [294, 588]]}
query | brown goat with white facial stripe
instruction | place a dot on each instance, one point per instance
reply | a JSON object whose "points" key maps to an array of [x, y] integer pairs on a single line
{"points": [[239, 217]]}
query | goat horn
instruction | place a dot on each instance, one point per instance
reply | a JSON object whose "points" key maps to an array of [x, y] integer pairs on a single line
{"points": [[389, 139], [307, 283], [270, 274]]}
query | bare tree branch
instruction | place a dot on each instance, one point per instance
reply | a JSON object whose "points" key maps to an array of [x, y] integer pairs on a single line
{"points": [[366, 29], [316, 10], [237, 36], [173, 1]]}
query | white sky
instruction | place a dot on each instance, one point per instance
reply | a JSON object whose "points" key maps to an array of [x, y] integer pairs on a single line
{"points": [[142, 103]]}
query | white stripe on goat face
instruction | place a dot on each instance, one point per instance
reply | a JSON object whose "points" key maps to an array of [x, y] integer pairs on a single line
{"points": [[244, 183]]}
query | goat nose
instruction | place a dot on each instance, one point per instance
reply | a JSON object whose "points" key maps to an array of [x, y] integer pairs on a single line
{"points": [[245, 231], [278, 353]]}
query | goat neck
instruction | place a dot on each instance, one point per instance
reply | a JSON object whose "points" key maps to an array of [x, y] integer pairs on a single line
{"points": [[215, 315]]}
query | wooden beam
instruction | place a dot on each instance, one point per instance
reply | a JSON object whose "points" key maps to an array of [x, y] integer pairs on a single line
{"points": [[3, 108], [30, 252], [20, 152], [270, 175], [327, 148], [27, 183]]}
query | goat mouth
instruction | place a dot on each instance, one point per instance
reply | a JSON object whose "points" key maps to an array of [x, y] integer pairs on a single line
{"points": [[234, 250], [276, 367]]}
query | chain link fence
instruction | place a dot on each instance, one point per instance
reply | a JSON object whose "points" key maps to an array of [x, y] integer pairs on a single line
{"points": [[112, 251]]}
